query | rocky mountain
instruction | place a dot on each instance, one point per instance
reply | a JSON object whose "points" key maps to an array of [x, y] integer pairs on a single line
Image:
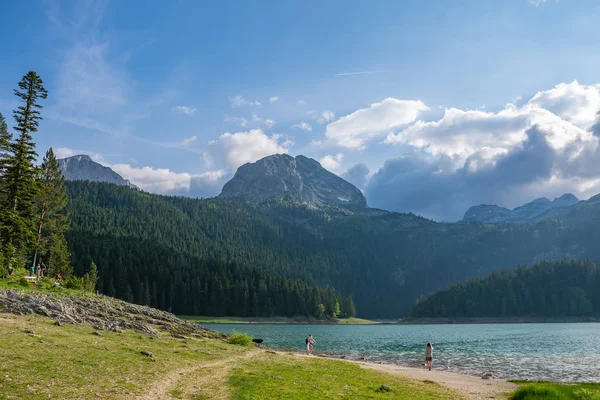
{"points": [[299, 180], [83, 168], [530, 212]]}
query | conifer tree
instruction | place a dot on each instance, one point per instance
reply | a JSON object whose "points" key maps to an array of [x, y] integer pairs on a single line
{"points": [[20, 188], [5, 144], [52, 217]]}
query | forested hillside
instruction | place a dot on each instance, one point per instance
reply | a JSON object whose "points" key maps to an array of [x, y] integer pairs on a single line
{"points": [[549, 289], [385, 261]]}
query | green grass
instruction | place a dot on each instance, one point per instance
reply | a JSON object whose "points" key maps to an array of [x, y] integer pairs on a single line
{"points": [[70, 362], [293, 377], [558, 391], [60, 290], [241, 339], [357, 321]]}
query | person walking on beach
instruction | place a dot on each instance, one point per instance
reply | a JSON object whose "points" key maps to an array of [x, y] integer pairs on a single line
{"points": [[309, 344], [429, 355]]}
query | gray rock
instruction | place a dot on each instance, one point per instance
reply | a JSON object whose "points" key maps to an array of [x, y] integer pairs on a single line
{"points": [[146, 353], [83, 168], [530, 212], [300, 180], [96, 333], [385, 388], [101, 313]]}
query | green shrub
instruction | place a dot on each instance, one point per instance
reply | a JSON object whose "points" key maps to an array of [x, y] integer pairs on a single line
{"points": [[18, 274], [539, 392], [241, 339], [24, 282], [74, 282], [47, 283]]}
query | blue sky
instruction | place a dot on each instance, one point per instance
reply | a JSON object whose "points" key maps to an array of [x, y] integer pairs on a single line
{"points": [[176, 95]]}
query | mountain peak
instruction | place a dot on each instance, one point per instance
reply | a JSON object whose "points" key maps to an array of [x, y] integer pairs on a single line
{"points": [[82, 168], [298, 179], [532, 211]]}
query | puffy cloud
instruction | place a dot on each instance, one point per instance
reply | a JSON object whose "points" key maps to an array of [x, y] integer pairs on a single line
{"points": [[269, 123], [358, 175], [326, 116], [240, 101], [572, 102], [462, 134], [243, 147], [301, 102], [332, 162], [184, 110], [165, 181], [63, 152], [273, 99], [355, 129], [304, 126], [507, 157], [256, 118]]}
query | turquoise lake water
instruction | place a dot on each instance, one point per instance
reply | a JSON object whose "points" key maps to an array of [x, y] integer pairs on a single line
{"points": [[557, 351]]}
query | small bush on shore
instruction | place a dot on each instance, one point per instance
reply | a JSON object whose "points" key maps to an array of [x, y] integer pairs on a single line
{"points": [[547, 390], [241, 339]]}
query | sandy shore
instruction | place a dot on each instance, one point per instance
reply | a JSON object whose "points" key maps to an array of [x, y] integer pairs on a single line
{"points": [[472, 387]]}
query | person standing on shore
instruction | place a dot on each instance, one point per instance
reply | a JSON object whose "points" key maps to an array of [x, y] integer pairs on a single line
{"points": [[309, 344], [429, 355]]}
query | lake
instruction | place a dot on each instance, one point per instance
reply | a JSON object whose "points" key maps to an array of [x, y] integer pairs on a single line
{"points": [[549, 351]]}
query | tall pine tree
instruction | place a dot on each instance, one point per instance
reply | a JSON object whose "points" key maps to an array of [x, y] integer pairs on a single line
{"points": [[52, 217], [19, 187]]}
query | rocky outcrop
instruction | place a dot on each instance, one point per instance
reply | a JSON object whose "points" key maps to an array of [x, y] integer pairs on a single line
{"points": [[83, 168], [529, 212], [300, 179], [100, 312]]}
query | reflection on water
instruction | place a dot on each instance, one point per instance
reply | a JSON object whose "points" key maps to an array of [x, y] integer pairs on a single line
{"points": [[557, 352]]}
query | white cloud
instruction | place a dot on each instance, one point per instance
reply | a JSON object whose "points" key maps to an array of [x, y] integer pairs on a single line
{"points": [[240, 101], [243, 147], [461, 134], [355, 129], [243, 122], [184, 110], [507, 157], [301, 102], [325, 117], [332, 162], [572, 102], [256, 118], [269, 123], [63, 152], [186, 141], [304, 126], [273, 99], [537, 2], [165, 181]]}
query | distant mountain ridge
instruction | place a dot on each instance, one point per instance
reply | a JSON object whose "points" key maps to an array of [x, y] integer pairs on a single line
{"points": [[530, 212], [297, 179], [83, 168]]}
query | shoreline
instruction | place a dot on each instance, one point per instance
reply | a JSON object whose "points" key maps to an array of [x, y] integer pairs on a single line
{"points": [[495, 320], [301, 320], [470, 386]]}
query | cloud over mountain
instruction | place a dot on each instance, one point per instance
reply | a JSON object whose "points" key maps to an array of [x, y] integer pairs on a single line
{"points": [[506, 157]]}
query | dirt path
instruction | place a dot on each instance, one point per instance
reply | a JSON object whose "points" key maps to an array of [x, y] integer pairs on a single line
{"points": [[206, 377]]}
